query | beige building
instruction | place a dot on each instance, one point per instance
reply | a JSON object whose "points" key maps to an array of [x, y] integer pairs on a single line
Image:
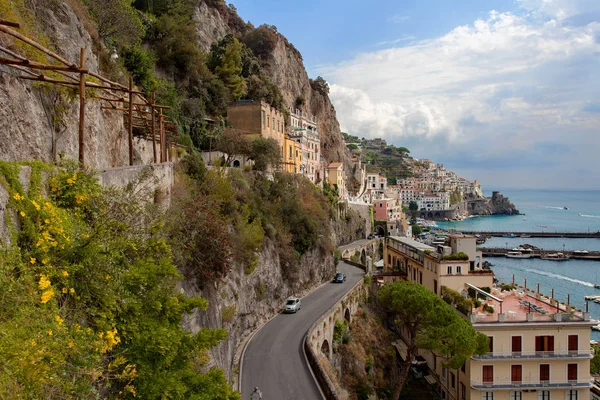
{"points": [[539, 349], [335, 176], [258, 118]]}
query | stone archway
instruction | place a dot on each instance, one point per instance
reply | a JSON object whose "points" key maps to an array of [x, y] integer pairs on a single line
{"points": [[236, 163], [325, 348], [347, 315], [380, 230], [430, 215], [437, 216], [422, 216], [363, 257]]}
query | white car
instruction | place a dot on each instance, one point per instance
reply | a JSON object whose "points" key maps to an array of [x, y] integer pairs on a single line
{"points": [[292, 304]]}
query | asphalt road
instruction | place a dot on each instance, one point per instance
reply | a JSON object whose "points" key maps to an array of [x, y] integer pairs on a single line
{"points": [[274, 360]]}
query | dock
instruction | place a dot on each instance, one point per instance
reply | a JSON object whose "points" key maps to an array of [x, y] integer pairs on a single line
{"points": [[572, 235], [537, 253]]}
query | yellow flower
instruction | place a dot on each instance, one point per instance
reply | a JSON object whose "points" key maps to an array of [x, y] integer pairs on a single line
{"points": [[32, 260], [71, 344], [46, 235], [70, 181], [64, 290], [39, 243], [36, 205], [77, 328], [65, 273], [74, 177], [72, 291], [44, 282], [50, 332], [47, 221], [79, 198], [18, 197], [45, 261], [22, 214], [33, 342], [107, 277], [59, 320], [47, 295]]}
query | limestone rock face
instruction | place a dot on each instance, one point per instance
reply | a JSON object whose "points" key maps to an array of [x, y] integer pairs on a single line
{"points": [[286, 69], [27, 127]]}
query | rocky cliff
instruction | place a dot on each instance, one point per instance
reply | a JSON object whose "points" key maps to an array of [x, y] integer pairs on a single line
{"points": [[286, 69], [241, 303], [497, 204]]}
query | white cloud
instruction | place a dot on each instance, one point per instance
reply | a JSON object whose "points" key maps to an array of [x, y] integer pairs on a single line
{"points": [[509, 81]]}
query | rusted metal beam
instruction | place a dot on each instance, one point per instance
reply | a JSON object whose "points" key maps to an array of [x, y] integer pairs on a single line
{"points": [[130, 129], [36, 65], [81, 107], [9, 23], [36, 45]]}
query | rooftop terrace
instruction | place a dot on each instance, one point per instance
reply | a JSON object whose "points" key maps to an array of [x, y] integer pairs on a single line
{"points": [[524, 306]]}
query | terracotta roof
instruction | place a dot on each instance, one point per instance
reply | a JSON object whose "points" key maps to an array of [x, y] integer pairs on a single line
{"points": [[335, 165]]}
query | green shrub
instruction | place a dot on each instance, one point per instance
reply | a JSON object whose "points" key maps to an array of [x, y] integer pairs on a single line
{"points": [[367, 280], [260, 291], [227, 313], [488, 308], [340, 331], [457, 256]]}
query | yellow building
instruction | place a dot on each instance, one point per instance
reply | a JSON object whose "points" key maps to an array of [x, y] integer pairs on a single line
{"points": [[292, 157], [258, 118], [335, 176], [539, 350]]}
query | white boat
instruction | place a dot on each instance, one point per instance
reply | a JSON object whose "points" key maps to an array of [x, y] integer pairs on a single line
{"points": [[581, 252], [593, 342], [593, 297], [565, 207], [596, 327], [520, 253], [555, 257], [579, 214], [525, 235]]}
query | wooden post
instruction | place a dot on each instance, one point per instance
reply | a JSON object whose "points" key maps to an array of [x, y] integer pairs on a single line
{"points": [[81, 107], [525, 284], [513, 282], [163, 145], [538, 288], [152, 127], [130, 129]]}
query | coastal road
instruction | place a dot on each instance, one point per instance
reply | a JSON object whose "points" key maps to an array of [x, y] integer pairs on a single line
{"points": [[274, 359]]}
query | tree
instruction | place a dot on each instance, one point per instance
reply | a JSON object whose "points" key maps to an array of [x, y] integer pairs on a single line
{"points": [[595, 362], [116, 20], [413, 207], [233, 144], [320, 85], [230, 69], [430, 324], [416, 230], [265, 153]]}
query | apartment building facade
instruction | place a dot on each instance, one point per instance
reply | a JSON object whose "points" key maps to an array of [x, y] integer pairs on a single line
{"points": [[303, 130]]}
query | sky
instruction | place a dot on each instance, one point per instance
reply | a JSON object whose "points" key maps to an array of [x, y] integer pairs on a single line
{"points": [[503, 91]]}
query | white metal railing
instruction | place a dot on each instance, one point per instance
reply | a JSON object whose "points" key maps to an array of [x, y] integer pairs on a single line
{"points": [[531, 383], [536, 354]]}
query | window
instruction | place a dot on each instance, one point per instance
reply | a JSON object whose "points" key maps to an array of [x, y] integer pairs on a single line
{"points": [[544, 395], [516, 373], [421, 278], [452, 380], [463, 392], [268, 119], [571, 395], [458, 269], [544, 372], [573, 343], [449, 270], [444, 373], [572, 372], [516, 344], [262, 117], [487, 396], [291, 151], [464, 368], [488, 373], [273, 123], [544, 343], [435, 286], [516, 395]]}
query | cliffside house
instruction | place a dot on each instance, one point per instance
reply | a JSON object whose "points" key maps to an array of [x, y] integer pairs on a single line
{"points": [[303, 130], [539, 349], [335, 176]]}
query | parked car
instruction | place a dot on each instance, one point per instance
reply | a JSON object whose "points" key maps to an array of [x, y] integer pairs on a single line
{"points": [[339, 278], [371, 236], [292, 305]]}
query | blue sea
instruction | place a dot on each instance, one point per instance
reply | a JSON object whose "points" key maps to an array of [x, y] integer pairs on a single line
{"points": [[544, 211]]}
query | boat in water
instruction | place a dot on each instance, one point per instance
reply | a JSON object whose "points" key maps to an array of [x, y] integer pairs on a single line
{"points": [[565, 208], [555, 257], [525, 236], [509, 235], [520, 253]]}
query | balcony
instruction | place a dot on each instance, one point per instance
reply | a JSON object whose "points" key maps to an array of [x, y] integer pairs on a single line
{"points": [[535, 355], [531, 384]]}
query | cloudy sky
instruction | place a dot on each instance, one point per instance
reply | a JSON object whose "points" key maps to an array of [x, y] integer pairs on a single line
{"points": [[505, 92]]}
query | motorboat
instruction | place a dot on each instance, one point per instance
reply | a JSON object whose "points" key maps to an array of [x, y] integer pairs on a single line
{"points": [[596, 327], [581, 252], [579, 214], [592, 297], [554, 257], [520, 253], [565, 208], [509, 235], [525, 236]]}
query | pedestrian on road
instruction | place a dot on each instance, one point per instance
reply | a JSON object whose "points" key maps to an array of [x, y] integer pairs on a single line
{"points": [[256, 395]]}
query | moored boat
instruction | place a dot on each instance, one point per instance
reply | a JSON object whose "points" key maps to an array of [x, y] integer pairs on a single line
{"points": [[555, 257], [520, 253], [509, 235]]}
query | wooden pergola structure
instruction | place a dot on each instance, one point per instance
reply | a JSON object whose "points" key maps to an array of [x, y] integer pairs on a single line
{"points": [[140, 112]]}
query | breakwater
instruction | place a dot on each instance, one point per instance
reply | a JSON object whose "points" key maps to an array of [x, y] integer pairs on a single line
{"points": [[537, 253], [536, 234]]}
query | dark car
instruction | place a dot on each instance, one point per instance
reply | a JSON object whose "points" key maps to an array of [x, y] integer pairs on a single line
{"points": [[339, 278], [371, 236]]}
